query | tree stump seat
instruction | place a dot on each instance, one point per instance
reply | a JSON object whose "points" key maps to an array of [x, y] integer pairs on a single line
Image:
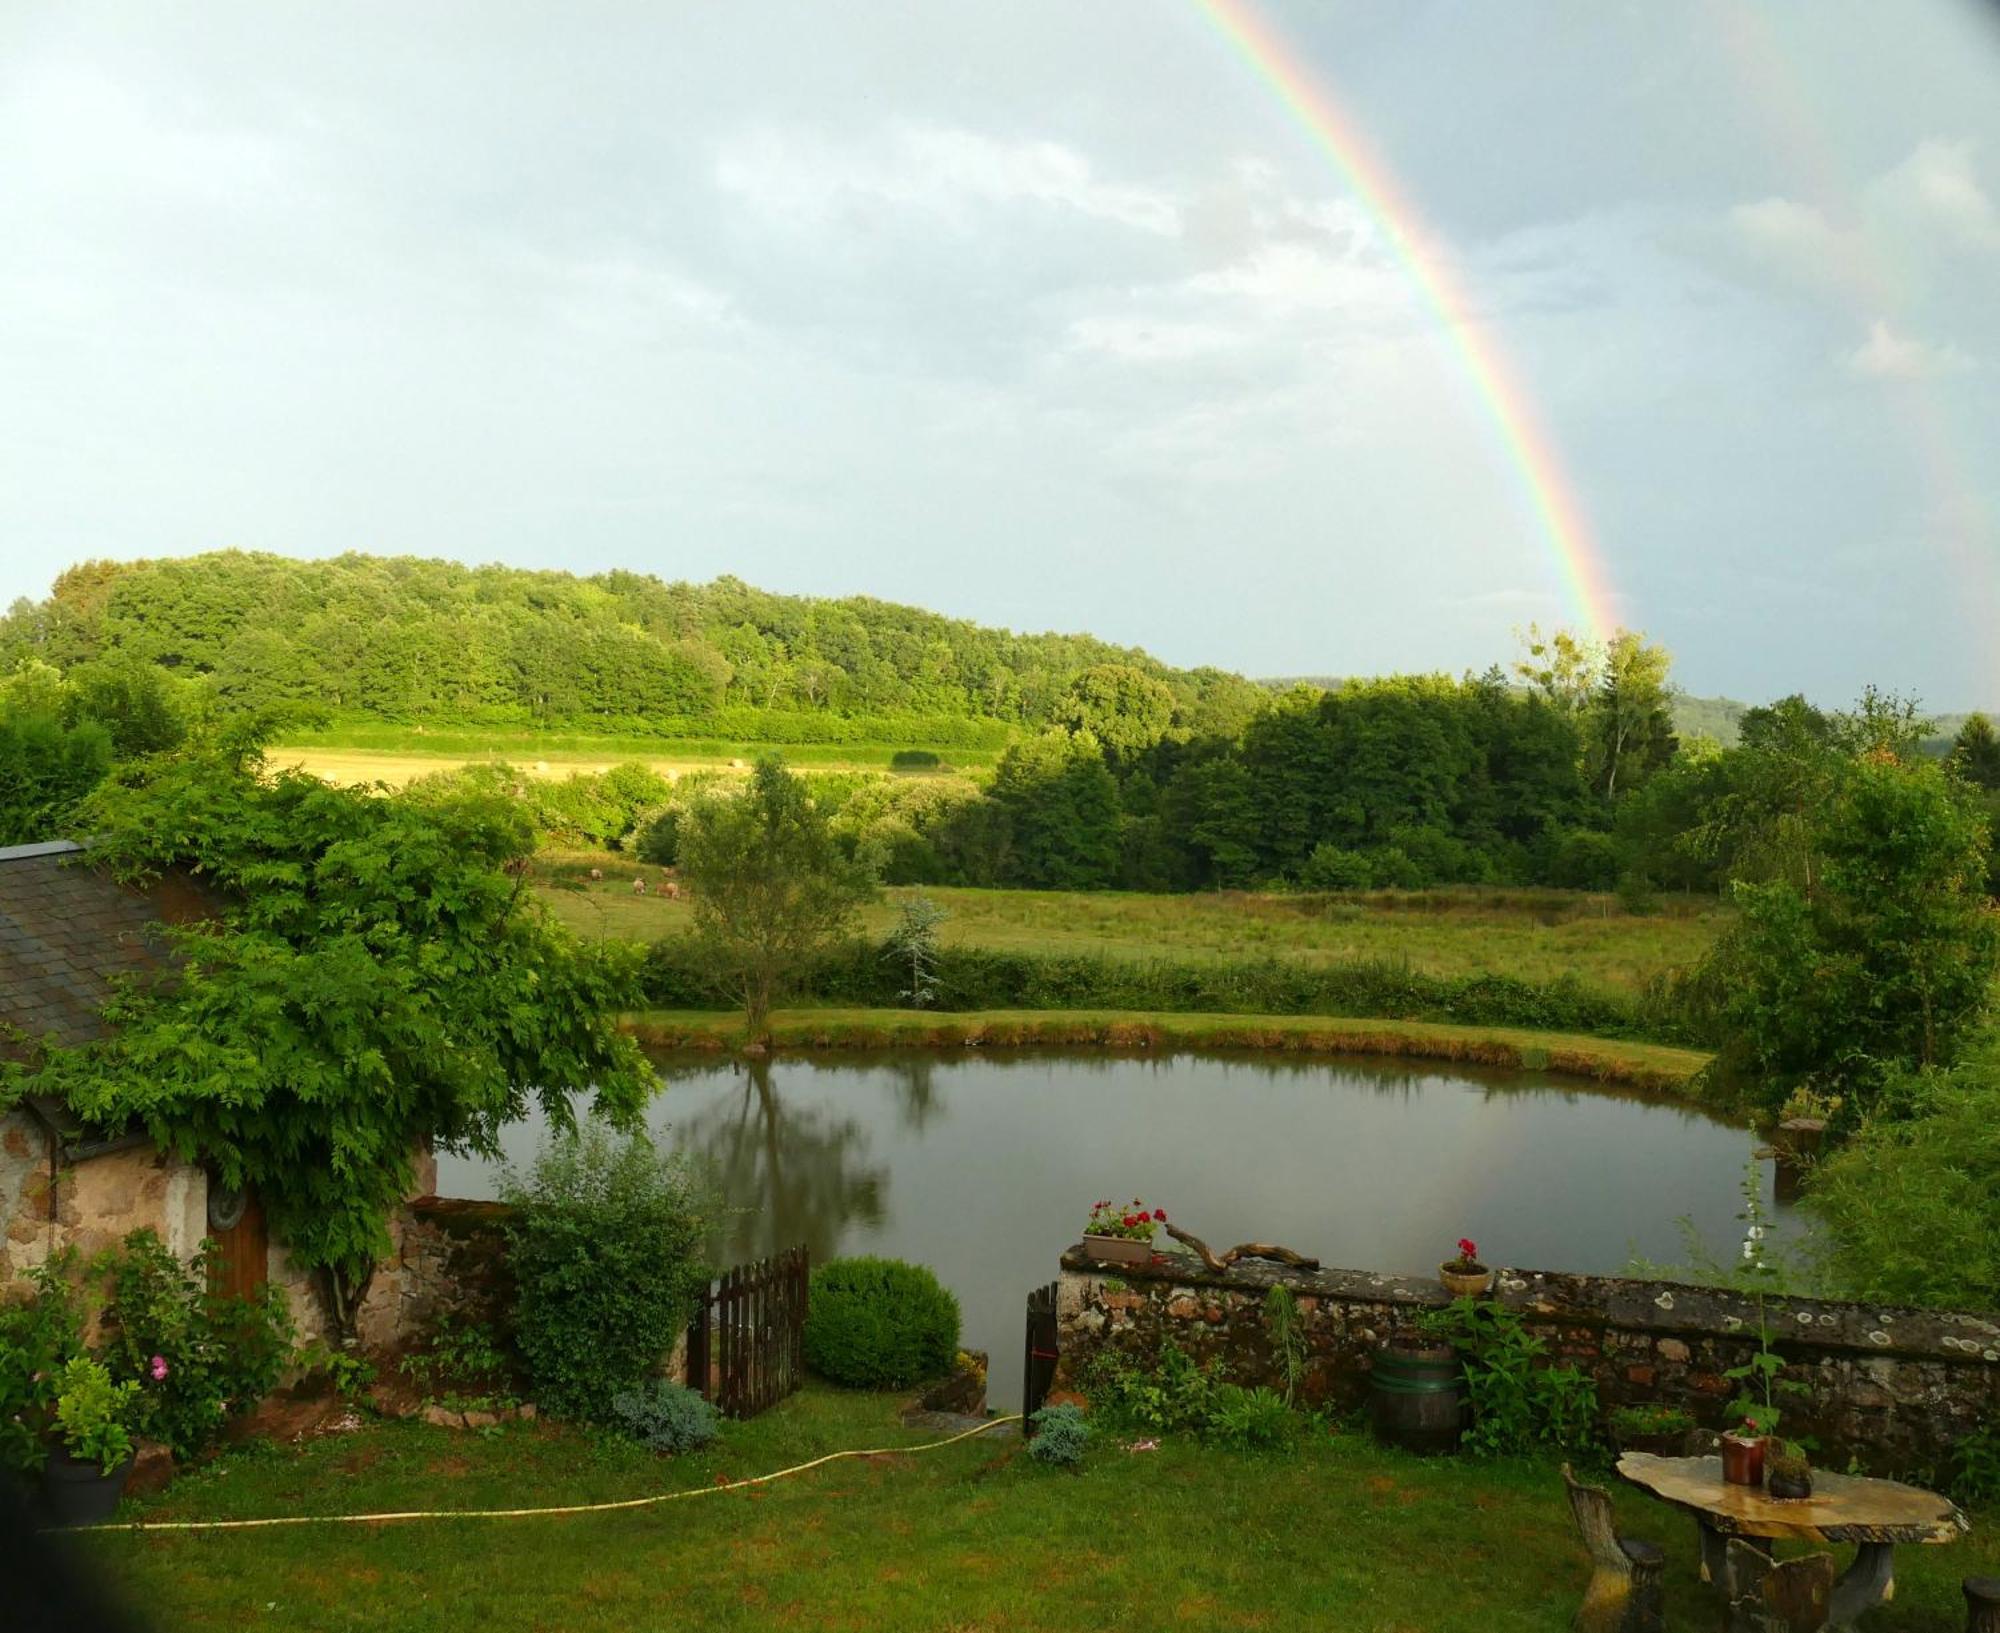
{"points": [[1624, 1594], [1982, 1604]]}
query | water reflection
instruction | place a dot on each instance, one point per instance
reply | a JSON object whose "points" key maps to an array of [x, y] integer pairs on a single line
{"points": [[981, 1164], [785, 1173]]}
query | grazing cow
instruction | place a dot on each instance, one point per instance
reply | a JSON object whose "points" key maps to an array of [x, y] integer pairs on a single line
{"points": [[670, 890], [639, 886], [596, 874]]}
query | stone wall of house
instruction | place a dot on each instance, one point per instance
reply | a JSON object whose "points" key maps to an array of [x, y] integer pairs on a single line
{"points": [[89, 1205], [1894, 1388]]}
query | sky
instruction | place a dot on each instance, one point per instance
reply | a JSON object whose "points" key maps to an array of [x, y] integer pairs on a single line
{"points": [[1047, 315]]}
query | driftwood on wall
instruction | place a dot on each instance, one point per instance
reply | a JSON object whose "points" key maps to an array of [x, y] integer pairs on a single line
{"points": [[1242, 1250]]}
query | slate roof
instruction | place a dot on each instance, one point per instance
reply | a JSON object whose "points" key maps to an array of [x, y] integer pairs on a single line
{"points": [[66, 933]]}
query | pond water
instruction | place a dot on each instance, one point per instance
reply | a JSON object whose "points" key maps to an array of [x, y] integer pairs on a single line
{"points": [[983, 1165]]}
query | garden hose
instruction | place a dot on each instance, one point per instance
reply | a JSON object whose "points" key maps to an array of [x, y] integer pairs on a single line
{"points": [[532, 1513]]}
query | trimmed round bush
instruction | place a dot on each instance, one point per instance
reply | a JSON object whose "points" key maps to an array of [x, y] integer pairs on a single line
{"points": [[879, 1324]]}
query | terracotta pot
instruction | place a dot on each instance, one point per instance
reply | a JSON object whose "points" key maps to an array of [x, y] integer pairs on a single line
{"points": [[1465, 1283], [1117, 1250], [78, 1491], [1743, 1460]]}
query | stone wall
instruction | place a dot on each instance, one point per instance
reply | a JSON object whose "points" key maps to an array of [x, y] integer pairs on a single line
{"points": [[448, 1255], [89, 1205], [1894, 1388]]}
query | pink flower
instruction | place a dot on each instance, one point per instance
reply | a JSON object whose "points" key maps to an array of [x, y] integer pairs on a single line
{"points": [[158, 1368], [1467, 1248]]}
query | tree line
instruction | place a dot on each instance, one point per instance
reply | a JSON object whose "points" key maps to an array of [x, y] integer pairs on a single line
{"points": [[423, 642]]}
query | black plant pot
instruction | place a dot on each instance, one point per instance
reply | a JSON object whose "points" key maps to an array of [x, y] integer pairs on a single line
{"points": [[78, 1491], [1778, 1486]]}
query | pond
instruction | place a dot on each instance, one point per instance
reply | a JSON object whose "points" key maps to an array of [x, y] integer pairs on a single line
{"points": [[984, 1164]]}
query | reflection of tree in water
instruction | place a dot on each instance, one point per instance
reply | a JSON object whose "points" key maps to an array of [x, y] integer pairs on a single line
{"points": [[785, 1174], [918, 1095]]}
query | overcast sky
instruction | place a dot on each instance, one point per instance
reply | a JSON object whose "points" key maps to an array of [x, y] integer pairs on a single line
{"points": [[1044, 314]]}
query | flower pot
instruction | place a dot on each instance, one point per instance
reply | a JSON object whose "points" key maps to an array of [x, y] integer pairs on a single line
{"points": [[1743, 1460], [1117, 1250], [1790, 1489], [78, 1491], [1466, 1283]]}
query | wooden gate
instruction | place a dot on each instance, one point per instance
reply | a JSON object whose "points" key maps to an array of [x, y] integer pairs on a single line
{"points": [[746, 1344], [1038, 1366]]}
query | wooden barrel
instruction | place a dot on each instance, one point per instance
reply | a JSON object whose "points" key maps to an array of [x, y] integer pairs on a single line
{"points": [[1415, 1396]]}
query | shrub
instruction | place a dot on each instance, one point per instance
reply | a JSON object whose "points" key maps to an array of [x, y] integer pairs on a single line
{"points": [[665, 1416], [37, 1335], [198, 1357], [1256, 1419], [858, 973], [605, 1248], [1061, 1434], [1518, 1401], [879, 1324], [1584, 859], [1331, 868], [1911, 1200]]}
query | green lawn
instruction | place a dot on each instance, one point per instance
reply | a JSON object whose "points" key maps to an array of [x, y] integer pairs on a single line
{"points": [[1537, 936], [1647, 1066], [1336, 1534]]}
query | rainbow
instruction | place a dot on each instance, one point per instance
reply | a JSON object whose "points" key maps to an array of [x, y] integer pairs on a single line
{"points": [[1523, 442]]}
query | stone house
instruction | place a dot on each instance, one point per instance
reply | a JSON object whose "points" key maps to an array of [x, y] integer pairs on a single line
{"points": [[68, 933]]}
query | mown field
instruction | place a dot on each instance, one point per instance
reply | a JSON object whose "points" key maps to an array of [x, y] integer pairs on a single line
{"points": [[1335, 1533], [396, 755], [1534, 935]]}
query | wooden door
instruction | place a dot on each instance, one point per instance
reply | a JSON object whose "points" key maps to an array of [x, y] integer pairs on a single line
{"points": [[242, 1249]]}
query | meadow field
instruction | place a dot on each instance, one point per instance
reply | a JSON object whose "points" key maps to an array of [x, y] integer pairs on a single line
{"points": [[1536, 935], [396, 755]]}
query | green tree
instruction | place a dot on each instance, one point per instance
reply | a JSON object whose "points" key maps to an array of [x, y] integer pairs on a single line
{"points": [[1062, 814], [1629, 732], [1975, 752], [1885, 962], [46, 770], [1564, 668], [771, 886], [378, 976], [1123, 708]]}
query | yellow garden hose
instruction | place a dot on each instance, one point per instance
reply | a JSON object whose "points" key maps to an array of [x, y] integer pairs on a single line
{"points": [[532, 1513]]}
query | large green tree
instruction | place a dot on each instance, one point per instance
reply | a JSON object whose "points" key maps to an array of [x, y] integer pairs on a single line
{"points": [[1885, 960], [376, 974], [771, 885]]}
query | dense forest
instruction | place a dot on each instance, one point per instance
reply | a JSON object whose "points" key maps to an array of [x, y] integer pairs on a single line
{"points": [[1119, 772], [434, 642]]}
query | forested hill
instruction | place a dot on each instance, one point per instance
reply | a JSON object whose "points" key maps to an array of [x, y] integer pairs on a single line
{"points": [[418, 641]]}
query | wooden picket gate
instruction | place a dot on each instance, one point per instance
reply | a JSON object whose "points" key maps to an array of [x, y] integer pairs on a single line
{"points": [[746, 1344], [1038, 1365]]}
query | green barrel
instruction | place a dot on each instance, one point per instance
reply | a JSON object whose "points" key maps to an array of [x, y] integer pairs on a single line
{"points": [[1416, 1397]]}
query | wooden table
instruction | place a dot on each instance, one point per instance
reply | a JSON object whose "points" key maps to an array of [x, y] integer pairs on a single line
{"points": [[1875, 1515]]}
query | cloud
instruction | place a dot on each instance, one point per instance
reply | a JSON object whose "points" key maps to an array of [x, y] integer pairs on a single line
{"points": [[1798, 238], [1937, 184], [941, 171], [1889, 355]]}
